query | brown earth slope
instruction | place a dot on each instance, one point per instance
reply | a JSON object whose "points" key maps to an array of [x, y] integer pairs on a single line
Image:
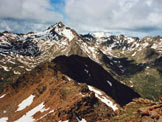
{"points": [[63, 98], [57, 98]]}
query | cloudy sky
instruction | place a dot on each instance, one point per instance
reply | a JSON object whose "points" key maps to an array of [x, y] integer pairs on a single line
{"points": [[136, 17]]}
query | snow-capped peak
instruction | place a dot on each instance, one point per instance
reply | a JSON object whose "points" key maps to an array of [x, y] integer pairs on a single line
{"points": [[101, 34], [62, 30]]}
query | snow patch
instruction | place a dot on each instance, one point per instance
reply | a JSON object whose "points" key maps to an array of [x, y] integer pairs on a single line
{"points": [[111, 63], [28, 117], [82, 120], [154, 46], [86, 65], [100, 96], [45, 115], [86, 71], [130, 81], [17, 73], [130, 40], [2, 96], [140, 49], [69, 79], [124, 48], [107, 102], [4, 111], [28, 69], [67, 33], [27, 102], [4, 119], [109, 83], [134, 54], [5, 68], [145, 45], [101, 34], [94, 90]]}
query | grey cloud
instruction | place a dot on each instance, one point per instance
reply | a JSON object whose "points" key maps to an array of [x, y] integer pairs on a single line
{"points": [[143, 16], [28, 9], [27, 15], [111, 15], [22, 26]]}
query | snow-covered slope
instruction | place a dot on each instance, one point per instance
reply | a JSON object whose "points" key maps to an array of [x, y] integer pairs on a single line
{"points": [[23, 52], [108, 43], [28, 50]]}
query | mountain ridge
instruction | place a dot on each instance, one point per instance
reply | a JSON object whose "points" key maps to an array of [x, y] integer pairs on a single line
{"points": [[121, 68], [121, 56]]}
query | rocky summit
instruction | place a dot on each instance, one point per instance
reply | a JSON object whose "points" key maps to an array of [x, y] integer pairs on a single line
{"points": [[59, 75]]}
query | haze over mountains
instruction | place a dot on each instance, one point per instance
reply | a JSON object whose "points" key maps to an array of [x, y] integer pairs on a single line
{"points": [[59, 75]]}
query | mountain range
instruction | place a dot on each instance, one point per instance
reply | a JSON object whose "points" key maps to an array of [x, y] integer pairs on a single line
{"points": [[58, 75]]}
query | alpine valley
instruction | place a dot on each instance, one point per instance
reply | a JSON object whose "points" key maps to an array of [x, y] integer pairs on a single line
{"points": [[59, 75]]}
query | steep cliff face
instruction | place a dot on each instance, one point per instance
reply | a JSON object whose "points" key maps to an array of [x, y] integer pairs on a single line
{"points": [[84, 70]]}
